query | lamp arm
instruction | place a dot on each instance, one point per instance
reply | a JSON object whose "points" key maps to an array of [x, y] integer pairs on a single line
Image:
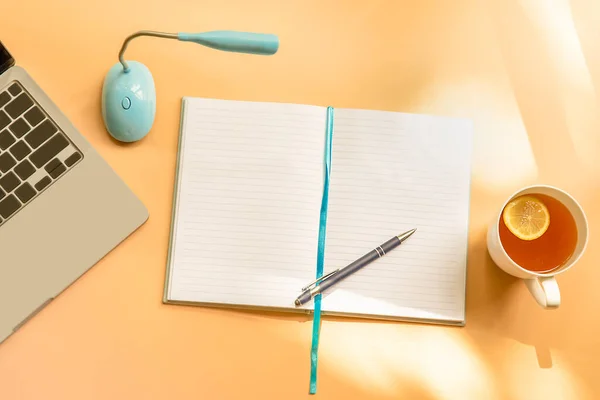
{"points": [[137, 34]]}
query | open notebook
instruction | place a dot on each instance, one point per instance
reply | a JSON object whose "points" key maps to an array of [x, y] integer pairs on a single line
{"points": [[247, 203]]}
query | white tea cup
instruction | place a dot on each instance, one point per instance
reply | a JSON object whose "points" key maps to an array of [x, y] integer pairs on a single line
{"points": [[543, 286]]}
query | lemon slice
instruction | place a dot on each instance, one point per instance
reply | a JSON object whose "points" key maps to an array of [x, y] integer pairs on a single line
{"points": [[526, 217]]}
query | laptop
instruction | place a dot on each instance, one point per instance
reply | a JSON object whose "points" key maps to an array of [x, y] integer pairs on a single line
{"points": [[62, 207]]}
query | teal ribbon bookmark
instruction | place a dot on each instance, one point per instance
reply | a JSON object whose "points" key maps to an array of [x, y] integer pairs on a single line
{"points": [[314, 351]]}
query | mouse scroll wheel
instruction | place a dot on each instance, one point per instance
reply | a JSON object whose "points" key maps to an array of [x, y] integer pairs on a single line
{"points": [[126, 103]]}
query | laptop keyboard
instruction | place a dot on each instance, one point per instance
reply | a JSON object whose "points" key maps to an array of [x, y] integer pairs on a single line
{"points": [[34, 153]]}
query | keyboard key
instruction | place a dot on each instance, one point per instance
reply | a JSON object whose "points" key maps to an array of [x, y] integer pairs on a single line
{"points": [[9, 205], [25, 169], [6, 162], [40, 134], [9, 182], [72, 159], [6, 139], [56, 172], [2, 194], [25, 192], [19, 150], [49, 150], [4, 120], [15, 89], [4, 98], [34, 116], [19, 105], [19, 127], [42, 183], [52, 164]]}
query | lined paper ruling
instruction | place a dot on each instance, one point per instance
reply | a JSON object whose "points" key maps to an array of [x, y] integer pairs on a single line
{"points": [[250, 185], [393, 172]]}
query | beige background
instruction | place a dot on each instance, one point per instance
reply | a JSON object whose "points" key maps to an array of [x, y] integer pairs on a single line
{"points": [[526, 72]]}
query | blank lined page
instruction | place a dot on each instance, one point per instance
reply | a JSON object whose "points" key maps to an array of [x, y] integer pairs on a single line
{"points": [[392, 172], [246, 219]]}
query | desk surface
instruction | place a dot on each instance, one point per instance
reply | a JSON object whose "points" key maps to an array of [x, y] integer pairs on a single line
{"points": [[529, 77]]}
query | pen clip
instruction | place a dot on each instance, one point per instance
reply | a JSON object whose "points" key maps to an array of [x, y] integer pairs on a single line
{"points": [[320, 279]]}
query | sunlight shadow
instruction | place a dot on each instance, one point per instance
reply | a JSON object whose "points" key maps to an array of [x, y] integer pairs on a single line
{"points": [[586, 18], [502, 154], [440, 361], [537, 89], [340, 299], [544, 356], [554, 22], [553, 381]]}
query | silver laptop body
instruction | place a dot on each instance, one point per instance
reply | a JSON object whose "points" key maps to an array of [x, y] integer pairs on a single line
{"points": [[62, 208]]}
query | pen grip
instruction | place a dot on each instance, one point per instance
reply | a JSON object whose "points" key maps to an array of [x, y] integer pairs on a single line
{"points": [[390, 245], [349, 270], [361, 262]]}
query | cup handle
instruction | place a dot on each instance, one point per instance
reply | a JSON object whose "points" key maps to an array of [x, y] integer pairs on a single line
{"points": [[545, 291]]}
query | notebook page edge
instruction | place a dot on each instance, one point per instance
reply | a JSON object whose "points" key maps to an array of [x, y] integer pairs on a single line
{"points": [[175, 200], [382, 317], [470, 130]]}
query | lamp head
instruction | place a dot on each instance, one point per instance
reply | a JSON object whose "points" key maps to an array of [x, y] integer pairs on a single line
{"points": [[128, 92]]}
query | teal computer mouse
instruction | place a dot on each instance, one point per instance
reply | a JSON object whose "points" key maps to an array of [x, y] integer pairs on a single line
{"points": [[128, 102], [128, 92]]}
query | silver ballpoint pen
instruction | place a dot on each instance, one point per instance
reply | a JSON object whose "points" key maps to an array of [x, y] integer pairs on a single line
{"points": [[330, 279]]}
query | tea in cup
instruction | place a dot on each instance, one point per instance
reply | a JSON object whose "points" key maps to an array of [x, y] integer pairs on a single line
{"points": [[539, 232]]}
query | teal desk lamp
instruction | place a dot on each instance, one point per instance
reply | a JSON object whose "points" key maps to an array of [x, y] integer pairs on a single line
{"points": [[129, 95]]}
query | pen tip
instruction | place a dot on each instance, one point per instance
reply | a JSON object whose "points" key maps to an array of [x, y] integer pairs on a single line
{"points": [[406, 235]]}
